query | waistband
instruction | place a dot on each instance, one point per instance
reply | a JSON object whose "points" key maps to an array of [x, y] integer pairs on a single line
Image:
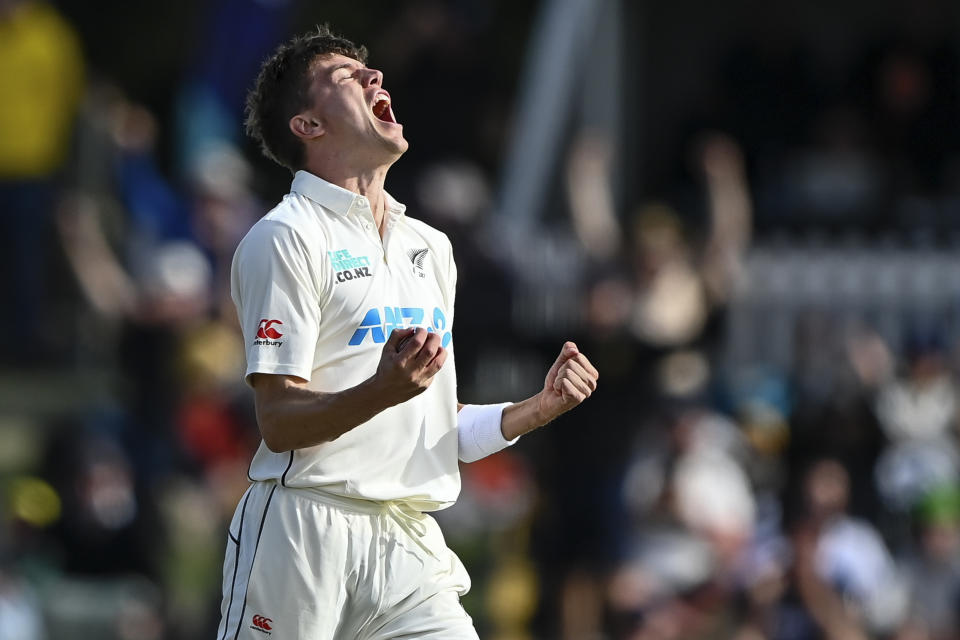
{"points": [[357, 505], [407, 517]]}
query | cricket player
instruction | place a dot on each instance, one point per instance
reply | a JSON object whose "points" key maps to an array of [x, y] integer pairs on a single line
{"points": [[347, 307]]}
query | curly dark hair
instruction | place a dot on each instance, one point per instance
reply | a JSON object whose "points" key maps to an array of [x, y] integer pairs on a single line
{"points": [[281, 92]]}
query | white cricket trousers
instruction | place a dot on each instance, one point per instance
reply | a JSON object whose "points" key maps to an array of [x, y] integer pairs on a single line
{"points": [[304, 565]]}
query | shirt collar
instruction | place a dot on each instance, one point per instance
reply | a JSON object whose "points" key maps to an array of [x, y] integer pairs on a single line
{"points": [[334, 198]]}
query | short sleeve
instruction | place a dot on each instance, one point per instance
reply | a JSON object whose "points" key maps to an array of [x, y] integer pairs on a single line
{"points": [[276, 288]]}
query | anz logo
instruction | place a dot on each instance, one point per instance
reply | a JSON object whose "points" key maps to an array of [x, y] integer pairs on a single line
{"points": [[377, 324]]}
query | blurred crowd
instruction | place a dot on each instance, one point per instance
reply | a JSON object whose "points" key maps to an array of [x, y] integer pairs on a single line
{"points": [[774, 451]]}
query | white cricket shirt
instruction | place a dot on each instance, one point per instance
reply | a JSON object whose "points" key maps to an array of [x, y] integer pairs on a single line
{"points": [[318, 293]]}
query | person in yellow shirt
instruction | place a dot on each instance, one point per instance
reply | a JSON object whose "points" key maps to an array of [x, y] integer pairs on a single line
{"points": [[41, 81]]}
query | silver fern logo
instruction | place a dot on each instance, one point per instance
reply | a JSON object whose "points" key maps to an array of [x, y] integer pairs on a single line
{"points": [[417, 258]]}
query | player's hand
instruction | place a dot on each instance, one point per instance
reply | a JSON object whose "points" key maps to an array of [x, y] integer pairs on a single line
{"points": [[408, 363], [570, 381]]}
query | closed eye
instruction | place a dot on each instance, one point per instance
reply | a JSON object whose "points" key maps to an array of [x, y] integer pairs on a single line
{"points": [[344, 71]]}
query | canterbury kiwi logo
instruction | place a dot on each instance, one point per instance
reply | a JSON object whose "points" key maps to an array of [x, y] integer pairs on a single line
{"points": [[267, 336], [262, 623], [266, 330]]}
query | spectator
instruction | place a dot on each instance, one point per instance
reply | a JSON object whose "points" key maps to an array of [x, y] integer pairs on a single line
{"points": [[846, 577], [933, 569], [41, 81]]}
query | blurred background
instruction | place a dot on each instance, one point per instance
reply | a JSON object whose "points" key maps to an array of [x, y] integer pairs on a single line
{"points": [[746, 213]]}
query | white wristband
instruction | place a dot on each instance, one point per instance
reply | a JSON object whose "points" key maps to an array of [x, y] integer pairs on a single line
{"points": [[478, 431]]}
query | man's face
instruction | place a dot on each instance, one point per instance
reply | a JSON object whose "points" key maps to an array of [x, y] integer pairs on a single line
{"points": [[353, 109]]}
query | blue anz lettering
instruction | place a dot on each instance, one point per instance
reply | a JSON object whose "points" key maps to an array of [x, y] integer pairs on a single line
{"points": [[371, 324], [392, 319], [414, 315], [439, 324], [380, 326], [439, 320]]}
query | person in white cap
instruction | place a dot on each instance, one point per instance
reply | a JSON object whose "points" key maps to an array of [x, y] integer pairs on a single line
{"points": [[347, 308]]}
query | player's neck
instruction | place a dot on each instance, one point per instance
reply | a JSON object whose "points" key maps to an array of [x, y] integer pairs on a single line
{"points": [[370, 185], [366, 182]]}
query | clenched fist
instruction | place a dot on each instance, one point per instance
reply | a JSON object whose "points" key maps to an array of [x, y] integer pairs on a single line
{"points": [[570, 381], [410, 360]]}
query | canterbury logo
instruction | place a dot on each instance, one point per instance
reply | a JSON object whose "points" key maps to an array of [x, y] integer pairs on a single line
{"points": [[266, 331], [261, 623]]}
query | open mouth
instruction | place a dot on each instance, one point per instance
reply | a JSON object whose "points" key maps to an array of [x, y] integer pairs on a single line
{"points": [[382, 109]]}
